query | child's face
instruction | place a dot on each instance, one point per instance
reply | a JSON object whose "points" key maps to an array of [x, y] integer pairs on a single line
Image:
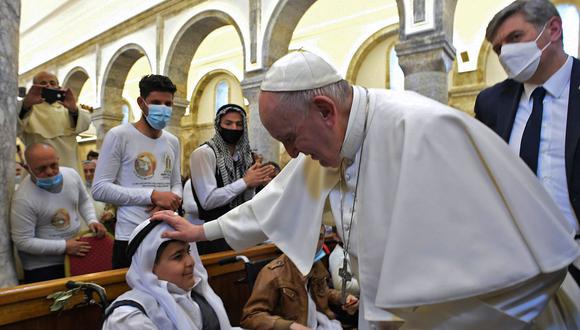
{"points": [[175, 265]]}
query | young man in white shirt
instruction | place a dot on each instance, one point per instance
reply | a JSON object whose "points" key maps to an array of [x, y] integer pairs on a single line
{"points": [[223, 172], [139, 165]]}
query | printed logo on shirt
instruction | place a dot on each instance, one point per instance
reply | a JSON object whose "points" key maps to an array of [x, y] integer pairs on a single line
{"points": [[145, 164], [168, 165], [61, 219]]}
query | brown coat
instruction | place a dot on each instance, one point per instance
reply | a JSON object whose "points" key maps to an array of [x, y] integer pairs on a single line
{"points": [[279, 296]]}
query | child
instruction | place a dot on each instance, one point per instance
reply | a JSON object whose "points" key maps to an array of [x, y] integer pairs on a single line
{"points": [[283, 298], [169, 286]]}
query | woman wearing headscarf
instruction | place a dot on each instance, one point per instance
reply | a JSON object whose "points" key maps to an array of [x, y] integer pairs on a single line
{"points": [[169, 286], [223, 172]]}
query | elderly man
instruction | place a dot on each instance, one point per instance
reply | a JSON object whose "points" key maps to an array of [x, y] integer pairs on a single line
{"points": [[443, 226], [105, 212], [535, 110], [46, 215], [56, 122]]}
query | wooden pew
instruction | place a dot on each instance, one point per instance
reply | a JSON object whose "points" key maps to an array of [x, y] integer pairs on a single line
{"points": [[26, 306]]}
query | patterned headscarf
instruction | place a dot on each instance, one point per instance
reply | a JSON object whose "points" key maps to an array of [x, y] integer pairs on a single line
{"points": [[230, 170]]}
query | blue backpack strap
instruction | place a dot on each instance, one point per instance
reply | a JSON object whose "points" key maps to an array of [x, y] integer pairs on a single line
{"points": [[120, 303]]}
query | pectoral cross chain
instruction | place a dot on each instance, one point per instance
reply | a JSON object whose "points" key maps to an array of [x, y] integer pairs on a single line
{"points": [[346, 277]]}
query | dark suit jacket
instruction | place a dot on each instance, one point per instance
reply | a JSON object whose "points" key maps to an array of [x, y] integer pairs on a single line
{"points": [[496, 107]]}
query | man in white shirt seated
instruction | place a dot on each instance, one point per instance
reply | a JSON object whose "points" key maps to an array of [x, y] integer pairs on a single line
{"points": [[46, 215]]}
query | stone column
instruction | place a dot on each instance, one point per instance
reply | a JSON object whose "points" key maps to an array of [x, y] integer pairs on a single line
{"points": [[260, 140], [9, 23], [426, 63], [103, 123], [425, 49], [176, 128]]}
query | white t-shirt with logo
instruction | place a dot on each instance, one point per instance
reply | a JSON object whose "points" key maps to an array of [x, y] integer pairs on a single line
{"points": [[131, 165], [42, 221]]}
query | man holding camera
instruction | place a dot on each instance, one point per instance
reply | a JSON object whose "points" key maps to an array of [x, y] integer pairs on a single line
{"points": [[49, 114]]}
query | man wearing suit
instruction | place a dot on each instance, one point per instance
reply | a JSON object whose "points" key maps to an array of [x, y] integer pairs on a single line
{"points": [[537, 109]]}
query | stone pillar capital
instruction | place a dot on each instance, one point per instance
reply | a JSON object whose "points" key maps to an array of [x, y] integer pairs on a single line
{"points": [[179, 107], [426, 61], [260, 140], [252, 81], [103, 122], [430, 53], [180, 102], [100, 114]]}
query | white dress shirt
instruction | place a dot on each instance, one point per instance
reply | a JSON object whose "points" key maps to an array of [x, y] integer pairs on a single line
{"points": [[552, 158]]}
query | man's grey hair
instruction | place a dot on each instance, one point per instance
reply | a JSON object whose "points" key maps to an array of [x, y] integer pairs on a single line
{"points": [[536, 12], [300, 100]]}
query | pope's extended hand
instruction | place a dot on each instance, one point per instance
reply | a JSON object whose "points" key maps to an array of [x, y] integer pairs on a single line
{"points": [[184, 231]]}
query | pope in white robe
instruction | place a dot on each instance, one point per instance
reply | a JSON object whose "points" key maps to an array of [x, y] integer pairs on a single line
{"points": [[450, 229]]}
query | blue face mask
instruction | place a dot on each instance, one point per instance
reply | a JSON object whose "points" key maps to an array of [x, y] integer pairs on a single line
{"points": [[319, 255], [159, 115], [51, 183]]}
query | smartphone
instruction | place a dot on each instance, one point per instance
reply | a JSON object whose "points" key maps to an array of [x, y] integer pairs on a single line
{"points": [[21, 92], [52, 95]]}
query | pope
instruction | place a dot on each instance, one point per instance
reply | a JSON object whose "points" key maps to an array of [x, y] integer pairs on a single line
{"points": [[445, 227]]}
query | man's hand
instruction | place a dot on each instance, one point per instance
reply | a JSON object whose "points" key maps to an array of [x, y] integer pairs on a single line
{"points": [[153, 209], [70, 101], [107, 216], [33, 97], [166, 200], [98, 228], [298, 326], [351, 305], [184, 231], [259, 175], [75, 247]]}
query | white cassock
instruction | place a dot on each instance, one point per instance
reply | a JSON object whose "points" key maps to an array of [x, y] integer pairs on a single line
{"points": [[445, 212]]}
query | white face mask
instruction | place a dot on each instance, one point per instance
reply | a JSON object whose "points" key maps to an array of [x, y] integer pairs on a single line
{"points": [[521, 60]]}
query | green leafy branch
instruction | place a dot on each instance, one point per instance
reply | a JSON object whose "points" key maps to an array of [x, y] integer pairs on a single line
{"points": [[61, 298]]}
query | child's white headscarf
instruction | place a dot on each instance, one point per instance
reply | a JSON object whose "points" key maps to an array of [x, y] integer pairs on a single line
{"points": [[140, 277]]}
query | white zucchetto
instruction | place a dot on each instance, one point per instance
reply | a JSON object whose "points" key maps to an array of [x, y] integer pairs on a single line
{"points": [[297, 71]]}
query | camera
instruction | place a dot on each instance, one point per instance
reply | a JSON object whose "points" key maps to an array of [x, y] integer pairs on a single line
{"points": [[52, 95]]}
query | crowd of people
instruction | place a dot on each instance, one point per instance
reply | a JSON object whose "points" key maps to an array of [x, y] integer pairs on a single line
{"points": [[443, 223]]}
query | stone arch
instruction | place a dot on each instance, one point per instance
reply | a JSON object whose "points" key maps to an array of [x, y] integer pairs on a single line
{"points": [[484, 52], [187, 41], [478, 75], [75, 80], [388, 32], [202, 85], [201, 132], [467, 85], [280, 28], [115, 76]]}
